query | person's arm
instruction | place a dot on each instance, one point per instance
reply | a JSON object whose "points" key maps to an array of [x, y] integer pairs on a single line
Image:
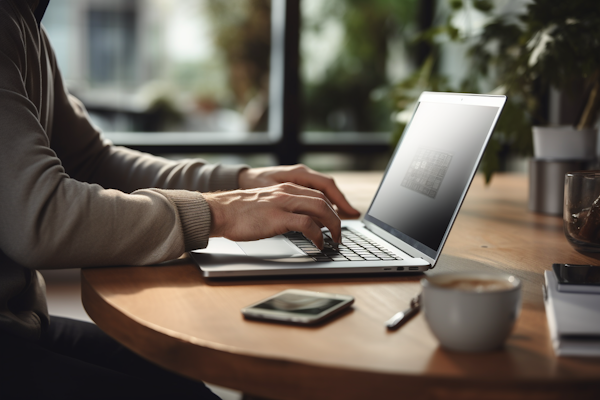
{"points": [[48, 219], [300, 198], [234, 215], [128, 170]]}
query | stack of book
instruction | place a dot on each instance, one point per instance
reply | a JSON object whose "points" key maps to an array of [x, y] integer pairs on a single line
{"points": [[573, 313]]}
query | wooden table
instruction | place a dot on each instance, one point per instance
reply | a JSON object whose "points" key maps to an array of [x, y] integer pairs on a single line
{"points": [[173, 316]]}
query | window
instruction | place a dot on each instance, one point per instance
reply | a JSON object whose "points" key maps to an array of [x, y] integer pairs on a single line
{"points": [[236, 76], [111, 51], [167, 66]]}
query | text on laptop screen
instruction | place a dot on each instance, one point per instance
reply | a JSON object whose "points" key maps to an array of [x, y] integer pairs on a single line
{"points": [[423, 186]]}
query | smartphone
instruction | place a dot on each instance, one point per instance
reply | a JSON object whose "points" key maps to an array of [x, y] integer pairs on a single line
{"points": [[577, 278], [298, 307]]}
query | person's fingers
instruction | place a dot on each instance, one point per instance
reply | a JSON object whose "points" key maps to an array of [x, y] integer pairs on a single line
{"points": [[312, 202], [259, 213], [301, 175], [319, 209], [344, 215], [305, 224], [325, 184], [300, 190]]}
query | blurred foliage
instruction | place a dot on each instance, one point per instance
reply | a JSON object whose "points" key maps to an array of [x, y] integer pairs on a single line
{"points": [[162, 115], [353, 95], [552, 43], [242, 31]]}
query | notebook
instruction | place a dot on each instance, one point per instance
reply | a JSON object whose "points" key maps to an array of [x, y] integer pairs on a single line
{"points": [[573, 320], [411, 214]]}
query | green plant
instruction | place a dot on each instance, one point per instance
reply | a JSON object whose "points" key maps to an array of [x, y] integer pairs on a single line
{"points": [[355, 83], [521, 54]]}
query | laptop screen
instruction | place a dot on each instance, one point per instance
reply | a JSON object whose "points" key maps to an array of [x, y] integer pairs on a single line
{"points": [[430, 172]]}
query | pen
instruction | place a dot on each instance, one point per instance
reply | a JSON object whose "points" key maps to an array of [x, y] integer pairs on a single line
{"points": [[403, 316]]}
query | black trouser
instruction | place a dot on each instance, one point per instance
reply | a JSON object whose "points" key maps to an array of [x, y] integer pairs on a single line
{"points": [[76, 360]]}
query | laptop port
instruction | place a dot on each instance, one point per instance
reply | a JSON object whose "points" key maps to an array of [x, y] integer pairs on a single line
{"points": [[413, 268], [387, 269], [399, 268]]}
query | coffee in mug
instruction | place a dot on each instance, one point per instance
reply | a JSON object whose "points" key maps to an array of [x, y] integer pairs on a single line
{"points": [[477, 284]]}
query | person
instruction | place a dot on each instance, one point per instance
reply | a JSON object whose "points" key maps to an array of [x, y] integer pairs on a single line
{"points": [[68, 199]]}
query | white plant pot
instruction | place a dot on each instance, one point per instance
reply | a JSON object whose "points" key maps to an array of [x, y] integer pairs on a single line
{"points": [[564, 143]]}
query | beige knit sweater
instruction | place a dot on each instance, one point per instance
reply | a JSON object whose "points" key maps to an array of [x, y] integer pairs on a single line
{"points": [[67, 198]]}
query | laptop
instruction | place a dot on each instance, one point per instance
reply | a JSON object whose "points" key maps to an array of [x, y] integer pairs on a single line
{"points": [[409, 218]]}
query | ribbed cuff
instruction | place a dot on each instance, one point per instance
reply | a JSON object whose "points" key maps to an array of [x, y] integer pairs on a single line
{"points": [[225, 177], [195, 217]]}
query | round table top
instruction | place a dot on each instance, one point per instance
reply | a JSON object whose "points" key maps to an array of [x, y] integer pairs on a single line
{"points": [[172, 315]]}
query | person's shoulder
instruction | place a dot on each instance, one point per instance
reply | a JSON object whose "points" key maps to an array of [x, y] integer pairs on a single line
{"points": [[17, 24], [14, 11], [19, 7], [12, 22], [17, 16]]}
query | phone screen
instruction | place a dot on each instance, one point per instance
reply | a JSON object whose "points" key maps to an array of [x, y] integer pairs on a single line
{"points": [[298, 304], [577, 274]]}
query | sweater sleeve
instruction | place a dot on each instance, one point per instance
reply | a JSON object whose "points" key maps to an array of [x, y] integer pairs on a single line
{"points": [[75, 201], [50, 220]]}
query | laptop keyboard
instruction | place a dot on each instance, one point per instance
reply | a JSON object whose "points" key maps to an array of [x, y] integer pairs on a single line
{"points": [[355, 247]]}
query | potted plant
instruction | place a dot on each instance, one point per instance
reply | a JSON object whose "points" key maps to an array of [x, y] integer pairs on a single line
{"points": [[559, 46], [546, 45]]}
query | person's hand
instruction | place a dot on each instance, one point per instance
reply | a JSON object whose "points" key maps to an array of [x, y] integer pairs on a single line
{"points": [[253, 214], [301, 175]]}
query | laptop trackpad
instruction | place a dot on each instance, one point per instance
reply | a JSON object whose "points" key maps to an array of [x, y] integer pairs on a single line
{"points": [[275, 247]]}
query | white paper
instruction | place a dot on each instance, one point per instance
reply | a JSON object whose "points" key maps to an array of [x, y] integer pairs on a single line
{"points": [[573, 320]]}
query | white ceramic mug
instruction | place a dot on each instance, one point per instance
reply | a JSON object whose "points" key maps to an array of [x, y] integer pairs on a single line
{"points": [[472, 319]]}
